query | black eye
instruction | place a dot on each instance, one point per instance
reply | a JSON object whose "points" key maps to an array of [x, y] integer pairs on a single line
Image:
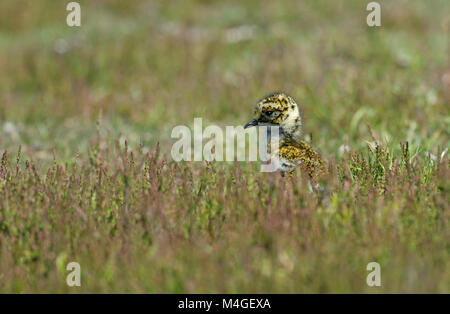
{"points": [[271, 114]]}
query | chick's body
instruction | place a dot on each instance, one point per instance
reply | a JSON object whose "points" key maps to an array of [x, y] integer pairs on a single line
{"points": [[301, 154], [289, 150]]}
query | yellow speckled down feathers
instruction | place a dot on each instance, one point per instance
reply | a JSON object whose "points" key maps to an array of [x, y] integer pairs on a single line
{"points": [[302, 154]]}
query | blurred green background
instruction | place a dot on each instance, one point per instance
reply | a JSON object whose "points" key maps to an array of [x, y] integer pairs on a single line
{"points": [[151, 65]]}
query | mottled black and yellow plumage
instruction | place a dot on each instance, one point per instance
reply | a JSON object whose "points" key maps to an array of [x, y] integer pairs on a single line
{"points": [[301, 154], [280, 109]]}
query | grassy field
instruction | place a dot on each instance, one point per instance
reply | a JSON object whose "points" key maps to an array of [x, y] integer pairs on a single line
{"points": [[83, 178]]}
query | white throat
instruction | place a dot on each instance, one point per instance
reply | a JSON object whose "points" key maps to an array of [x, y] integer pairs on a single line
{"points": [[291, 128]]}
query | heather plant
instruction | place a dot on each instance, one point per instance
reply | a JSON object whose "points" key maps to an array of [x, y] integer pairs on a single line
{"points": [[138, 222]]}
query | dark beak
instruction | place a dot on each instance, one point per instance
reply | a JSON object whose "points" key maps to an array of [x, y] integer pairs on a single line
{"points": [[254, 122]]}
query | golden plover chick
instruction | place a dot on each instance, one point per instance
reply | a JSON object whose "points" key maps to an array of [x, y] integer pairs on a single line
{"points": [[280, 109]]}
